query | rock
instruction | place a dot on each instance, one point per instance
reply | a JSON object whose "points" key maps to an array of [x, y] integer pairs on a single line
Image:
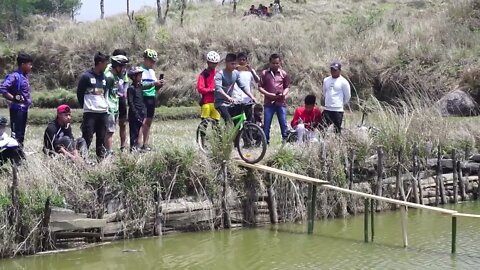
{"points": [[458, 103], [475, 158]]}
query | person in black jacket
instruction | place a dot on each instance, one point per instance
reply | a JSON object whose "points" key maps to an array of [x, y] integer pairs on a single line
{"points": [[58, 137], [136, 107]]}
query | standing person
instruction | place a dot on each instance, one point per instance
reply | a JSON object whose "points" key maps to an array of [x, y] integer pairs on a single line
{"points": [[16, 89], [206, 87], [91, 94], [306, 119], [248, 76], [115, 86], [275, 85], [225, 81], [136, 107], [122, 100], [150, 57], [336, 91], [58, 137]]}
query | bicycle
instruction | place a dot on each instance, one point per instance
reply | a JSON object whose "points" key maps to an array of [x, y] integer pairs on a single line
{"points": [[250, 139]]}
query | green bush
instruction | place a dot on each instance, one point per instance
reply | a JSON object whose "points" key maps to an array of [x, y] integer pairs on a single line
{"points": [[52, 99]]}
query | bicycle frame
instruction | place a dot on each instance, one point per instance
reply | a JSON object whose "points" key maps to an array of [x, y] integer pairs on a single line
{"points": [[241, 118]]}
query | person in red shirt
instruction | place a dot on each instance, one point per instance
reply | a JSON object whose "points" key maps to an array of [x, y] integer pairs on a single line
{"points": [[306, 119], [206, 87]]}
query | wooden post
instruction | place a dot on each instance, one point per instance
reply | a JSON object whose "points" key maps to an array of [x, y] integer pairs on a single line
{"points": [[227, 222], [312, 194], [272, 202], [365, 220], [441, 186], [379, 175], [403, 213], [45, 222], [438, 175], [478, 186], [399, 190], [249, 201], [414, 173], [372, 215], [463, 194], [157, 226], [454, 234], [455, 184], [350, 168]]}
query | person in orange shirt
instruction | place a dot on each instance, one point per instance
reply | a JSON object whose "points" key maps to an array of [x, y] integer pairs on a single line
{"points": [[206, 87], [306, 119]]}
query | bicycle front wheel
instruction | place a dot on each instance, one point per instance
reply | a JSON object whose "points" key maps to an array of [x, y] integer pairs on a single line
{"points": [[251, 143]]}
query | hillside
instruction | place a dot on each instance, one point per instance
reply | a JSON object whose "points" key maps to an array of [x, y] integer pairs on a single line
{"points": [[388, 48]]}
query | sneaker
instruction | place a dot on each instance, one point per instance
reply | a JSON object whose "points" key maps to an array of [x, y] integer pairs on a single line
{"points": [[122, 149], [146, 148]]}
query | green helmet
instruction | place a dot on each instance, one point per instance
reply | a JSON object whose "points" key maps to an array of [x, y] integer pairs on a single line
{"points": [[151, 54]]}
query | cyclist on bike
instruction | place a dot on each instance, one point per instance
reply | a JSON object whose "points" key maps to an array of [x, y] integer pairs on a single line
{"points": [[206, 87], [225, 81], [115, 86], [150, 57], [122, 101]]}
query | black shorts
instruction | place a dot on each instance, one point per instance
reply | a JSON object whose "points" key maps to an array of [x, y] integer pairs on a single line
{"points": [[150, 105], [122, 108]]}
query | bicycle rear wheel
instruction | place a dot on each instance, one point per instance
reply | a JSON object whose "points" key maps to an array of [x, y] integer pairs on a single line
{"points": [[203, 130], [251, 143]]}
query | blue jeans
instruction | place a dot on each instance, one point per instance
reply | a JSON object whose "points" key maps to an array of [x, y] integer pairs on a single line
{"points": [[18, 124], [269, 111]]}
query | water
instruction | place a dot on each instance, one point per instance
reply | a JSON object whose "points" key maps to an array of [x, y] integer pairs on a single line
{"points": [[335, 244]]}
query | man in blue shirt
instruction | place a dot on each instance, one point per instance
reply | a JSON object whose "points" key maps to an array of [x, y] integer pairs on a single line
{"points": [[16, 89]]}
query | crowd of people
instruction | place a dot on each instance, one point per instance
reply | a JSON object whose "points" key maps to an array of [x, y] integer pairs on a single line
{"points": [[111, 96], [273, 9]]}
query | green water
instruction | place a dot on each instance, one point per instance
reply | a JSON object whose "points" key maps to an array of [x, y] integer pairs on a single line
{"points": [[335, 244]]}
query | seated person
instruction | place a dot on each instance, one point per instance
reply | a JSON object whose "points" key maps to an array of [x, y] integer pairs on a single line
{"points": [[306, 119], [9, 147], [58, 137]]}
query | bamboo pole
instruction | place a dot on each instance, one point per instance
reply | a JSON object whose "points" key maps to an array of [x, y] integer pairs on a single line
{"points": [[454, 234], [379, 174], [372, 215], [311, 209], [365, 220], [403, 213], [455, 184], [416, 199]]}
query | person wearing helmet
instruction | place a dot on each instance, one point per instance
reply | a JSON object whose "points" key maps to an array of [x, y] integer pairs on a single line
{"points": [[122, 101], [115, 85], [58, 137], [136, 107], [150, 87], [206, 87], [91, 95], [10, 150]]}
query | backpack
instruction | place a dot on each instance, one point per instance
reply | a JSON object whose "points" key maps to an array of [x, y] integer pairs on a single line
{"points": [[205, 75]]}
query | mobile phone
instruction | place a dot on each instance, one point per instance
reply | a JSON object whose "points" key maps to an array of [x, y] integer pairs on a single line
{"points": [[161, 77]]}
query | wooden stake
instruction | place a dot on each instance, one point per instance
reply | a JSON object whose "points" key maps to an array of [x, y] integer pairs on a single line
{"points": [[350, 168], [438, 175], [379, 175], [157, 226], [440, 178], [455, 184], [400, 190], [414, 172], [227, 222], [312, 194], [403, 213], [463, 194], [365, 220], [454, 234], [272, 202], [45, 222], [372, 215]]}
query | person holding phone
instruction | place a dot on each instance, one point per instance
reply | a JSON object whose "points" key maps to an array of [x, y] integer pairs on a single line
{"points": [[58, 137], [151, 85], [249, 77]]}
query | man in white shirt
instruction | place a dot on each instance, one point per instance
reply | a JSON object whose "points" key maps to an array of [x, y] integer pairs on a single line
{"points": [[248, 76], [336, 91]]}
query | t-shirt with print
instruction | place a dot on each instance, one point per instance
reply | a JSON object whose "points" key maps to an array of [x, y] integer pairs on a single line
{"points": [[149, 77]]}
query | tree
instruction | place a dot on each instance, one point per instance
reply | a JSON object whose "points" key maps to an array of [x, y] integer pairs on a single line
{"points": [[102, 9], [162, 19], [184, 6]]}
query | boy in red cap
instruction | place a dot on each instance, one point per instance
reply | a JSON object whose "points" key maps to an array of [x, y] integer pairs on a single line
{"points": [[58, 137]]}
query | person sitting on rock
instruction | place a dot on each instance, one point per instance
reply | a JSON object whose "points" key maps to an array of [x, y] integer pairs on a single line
{"points": [[306, 119], [10, 150], [58, 138]]}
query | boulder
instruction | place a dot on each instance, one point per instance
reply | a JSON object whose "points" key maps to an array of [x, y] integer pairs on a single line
{"points": [[458, 103]]}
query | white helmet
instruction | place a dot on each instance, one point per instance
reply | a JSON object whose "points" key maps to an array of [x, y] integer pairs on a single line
{"points": [[213, 57]]}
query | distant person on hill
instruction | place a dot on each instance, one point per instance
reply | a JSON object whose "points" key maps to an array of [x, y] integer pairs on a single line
{"points": [[249, 77], [336, 91], [58, 137], [122, 101], [91, 94], [150, 88], [10, 150], [206, 87], [275, 85], [136, 107], [16, 89], [225, 81], [115, 87], [306, 119], [252, 10]]}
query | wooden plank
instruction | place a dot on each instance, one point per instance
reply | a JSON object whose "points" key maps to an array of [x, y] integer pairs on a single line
{"points": [[295, 176], [113, 228], [61, 214], [76, 224], [188, 218], [466, 215]]}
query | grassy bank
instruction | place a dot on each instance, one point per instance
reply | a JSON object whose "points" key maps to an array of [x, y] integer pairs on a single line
{"points": [[388, 48]]}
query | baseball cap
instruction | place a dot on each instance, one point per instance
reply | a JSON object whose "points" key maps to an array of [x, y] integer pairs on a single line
{"points": [[64, 108], [336, 65]]}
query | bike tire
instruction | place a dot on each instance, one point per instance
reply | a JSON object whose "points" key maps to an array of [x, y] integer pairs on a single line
{"points": [[251, 133]]}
